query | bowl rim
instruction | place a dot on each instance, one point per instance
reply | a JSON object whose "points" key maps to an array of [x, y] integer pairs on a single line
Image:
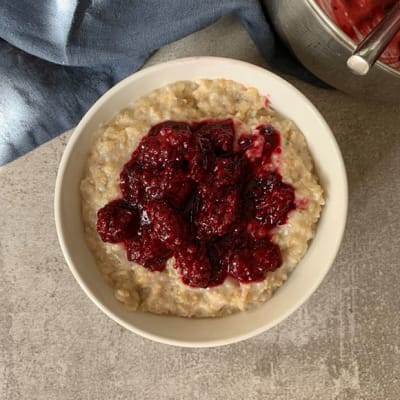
{"points": [[75, 271], [342, 37]]}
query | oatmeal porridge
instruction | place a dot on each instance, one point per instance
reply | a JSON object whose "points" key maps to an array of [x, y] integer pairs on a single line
{"points": [[199, 200]]}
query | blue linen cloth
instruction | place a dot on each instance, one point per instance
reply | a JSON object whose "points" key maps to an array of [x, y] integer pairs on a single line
{"points": [[58, 56]]}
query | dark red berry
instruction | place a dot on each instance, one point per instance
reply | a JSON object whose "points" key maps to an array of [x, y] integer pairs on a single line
{"points": [[226, 172], [117, 221], [194, 267], [130, 182], [221, 134], [168, 143], [167, 225], [147, 251], [217, 210], [252, 263], [175, 127], [273, 199], [219, 266], [201, 158]]}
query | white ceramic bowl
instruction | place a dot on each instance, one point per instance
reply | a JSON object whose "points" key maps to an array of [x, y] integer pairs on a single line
{"points": [[308, 274]]}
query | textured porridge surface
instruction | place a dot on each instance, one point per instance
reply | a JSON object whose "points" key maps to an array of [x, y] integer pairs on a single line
{"points": [[163, 292]]}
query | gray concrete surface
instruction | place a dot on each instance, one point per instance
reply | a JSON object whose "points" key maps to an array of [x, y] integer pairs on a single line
{"points": [[342, 344]]}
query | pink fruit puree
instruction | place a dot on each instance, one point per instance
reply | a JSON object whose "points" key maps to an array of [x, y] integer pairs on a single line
{"points": [[358, 17]]}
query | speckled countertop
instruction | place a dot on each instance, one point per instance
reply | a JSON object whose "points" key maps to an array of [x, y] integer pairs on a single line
{"points": [[344, 343]]}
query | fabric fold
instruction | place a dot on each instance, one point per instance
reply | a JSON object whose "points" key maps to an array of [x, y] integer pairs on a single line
{"points": [[57, 57]]}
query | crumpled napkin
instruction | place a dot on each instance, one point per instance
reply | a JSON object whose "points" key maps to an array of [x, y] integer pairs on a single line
{"points": [[57, 56]]}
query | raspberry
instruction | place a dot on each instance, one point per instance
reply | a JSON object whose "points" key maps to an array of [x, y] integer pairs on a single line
{"points": [[130, 182], [167, 226], [194, 267], [253, 262], [117, 221], [147, 251], [217, 210], [273, 199], [201, 158], [219, 266], [166, 144], [171, 184], [166, 127], [221, 134], [226, 172]]}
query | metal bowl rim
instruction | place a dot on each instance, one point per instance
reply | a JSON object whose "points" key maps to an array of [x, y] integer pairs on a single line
{"points": [[342, 37]]}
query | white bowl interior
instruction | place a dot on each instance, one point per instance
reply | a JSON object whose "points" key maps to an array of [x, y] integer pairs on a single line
{"points": [[306, 277]]}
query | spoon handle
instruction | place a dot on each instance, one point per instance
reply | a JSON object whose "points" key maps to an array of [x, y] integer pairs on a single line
{"points": [[373, 45]]}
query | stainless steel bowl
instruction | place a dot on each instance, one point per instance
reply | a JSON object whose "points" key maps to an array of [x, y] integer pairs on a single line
{"points": [[324, 49]]}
